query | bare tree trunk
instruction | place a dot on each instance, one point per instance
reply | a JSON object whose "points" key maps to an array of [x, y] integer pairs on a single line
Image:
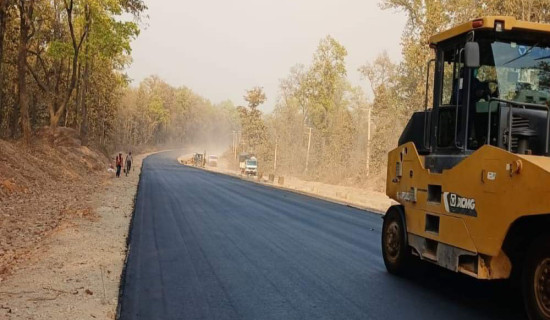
{"points": [[76, 43], [103, 116], [14, 121], [83, 104], [3, 18], [25, 12], [78, 101]]}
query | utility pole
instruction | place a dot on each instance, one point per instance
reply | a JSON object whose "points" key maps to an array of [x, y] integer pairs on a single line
{"points": [[242, 142], [275, 160], [368, 140], [235, 143], [308, 147]]}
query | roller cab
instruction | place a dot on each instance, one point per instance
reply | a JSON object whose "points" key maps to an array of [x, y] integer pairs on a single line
{"points": [[472, 171]]}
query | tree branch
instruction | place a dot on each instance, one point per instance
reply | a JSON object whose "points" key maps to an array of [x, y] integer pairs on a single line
{"points": [[42, 63], [37, 79]]}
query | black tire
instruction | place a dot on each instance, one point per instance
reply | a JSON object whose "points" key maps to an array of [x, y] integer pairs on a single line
{"points": [[536, 279], [395, 249]]}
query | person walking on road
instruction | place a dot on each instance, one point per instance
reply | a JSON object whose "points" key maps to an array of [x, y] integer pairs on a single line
{"points": [[128, 162], [119, 163]]}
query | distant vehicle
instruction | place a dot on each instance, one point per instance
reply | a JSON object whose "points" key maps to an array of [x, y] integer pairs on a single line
{"points": [[248, 164], [212, 161], [242, 161], [198, 160], [251, 166]]}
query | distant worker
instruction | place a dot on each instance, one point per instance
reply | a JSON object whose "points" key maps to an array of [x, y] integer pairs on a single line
{"points": [[128, 162], [119, 162]]}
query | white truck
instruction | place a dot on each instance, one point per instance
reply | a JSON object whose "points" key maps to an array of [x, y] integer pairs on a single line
{"points": [[212, 161], [248, 164], [251, 166]]}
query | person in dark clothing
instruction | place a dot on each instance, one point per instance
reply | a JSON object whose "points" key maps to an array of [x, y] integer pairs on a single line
{"points": [[119, 162], [478, 90], [128, 162]]}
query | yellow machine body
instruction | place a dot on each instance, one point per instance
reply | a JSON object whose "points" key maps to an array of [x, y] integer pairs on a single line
{"points": [[488, 191]]}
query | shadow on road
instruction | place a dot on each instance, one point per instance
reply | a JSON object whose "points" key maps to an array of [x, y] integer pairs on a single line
{"points": [[496, 299]]}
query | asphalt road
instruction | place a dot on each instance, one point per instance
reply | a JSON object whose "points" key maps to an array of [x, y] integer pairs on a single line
{"points": [[208, 246]]}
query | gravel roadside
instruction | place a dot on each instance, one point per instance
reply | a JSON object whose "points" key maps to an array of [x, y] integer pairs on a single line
{"points": [[76, 272]]}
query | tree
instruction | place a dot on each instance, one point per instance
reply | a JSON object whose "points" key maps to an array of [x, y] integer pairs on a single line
{"points": [[253, 127], [326, 74], [157, 113], [4, 16], [428, 17], [255, 97], [26, 9], [389, 110], [107, 41], [58, 100], [319, 99], [74, 52]]}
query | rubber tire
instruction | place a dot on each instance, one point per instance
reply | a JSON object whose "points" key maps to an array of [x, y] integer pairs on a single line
{"points": [[401, 264], [540, 250]]}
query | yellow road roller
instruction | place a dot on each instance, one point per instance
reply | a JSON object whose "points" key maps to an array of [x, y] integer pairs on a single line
{"points": [[471, 173]]}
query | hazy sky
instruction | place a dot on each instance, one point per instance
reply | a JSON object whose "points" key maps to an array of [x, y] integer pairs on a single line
{"points": [[221, 48]]}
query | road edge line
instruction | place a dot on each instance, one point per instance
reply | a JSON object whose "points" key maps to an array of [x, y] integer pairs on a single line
{"points": [[304, 193], [122, 282]]}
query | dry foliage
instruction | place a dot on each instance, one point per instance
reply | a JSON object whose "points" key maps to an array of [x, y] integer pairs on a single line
{"points": [[156, 113]]}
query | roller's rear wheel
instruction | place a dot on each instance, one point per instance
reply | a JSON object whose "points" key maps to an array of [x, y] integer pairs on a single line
{"points": [[395, 249], [536, 280]]}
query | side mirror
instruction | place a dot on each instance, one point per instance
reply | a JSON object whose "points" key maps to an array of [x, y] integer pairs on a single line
{"points": [[471, 55]]}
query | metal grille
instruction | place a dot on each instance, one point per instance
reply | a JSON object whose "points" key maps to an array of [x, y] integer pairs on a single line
{"points": [[518, 123]]}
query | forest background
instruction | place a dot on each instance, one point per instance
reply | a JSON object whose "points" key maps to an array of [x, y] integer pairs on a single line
{"points": [[62, 66]]}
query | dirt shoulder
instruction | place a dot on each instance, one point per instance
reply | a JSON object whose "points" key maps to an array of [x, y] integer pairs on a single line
{"points": [[76, 272]]}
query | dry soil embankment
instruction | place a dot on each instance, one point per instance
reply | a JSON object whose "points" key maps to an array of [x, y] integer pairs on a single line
{"points": [[63, 228]]}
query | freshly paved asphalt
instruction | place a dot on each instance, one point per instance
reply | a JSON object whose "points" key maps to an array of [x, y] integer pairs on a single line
{"points": [[208, 246]]}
